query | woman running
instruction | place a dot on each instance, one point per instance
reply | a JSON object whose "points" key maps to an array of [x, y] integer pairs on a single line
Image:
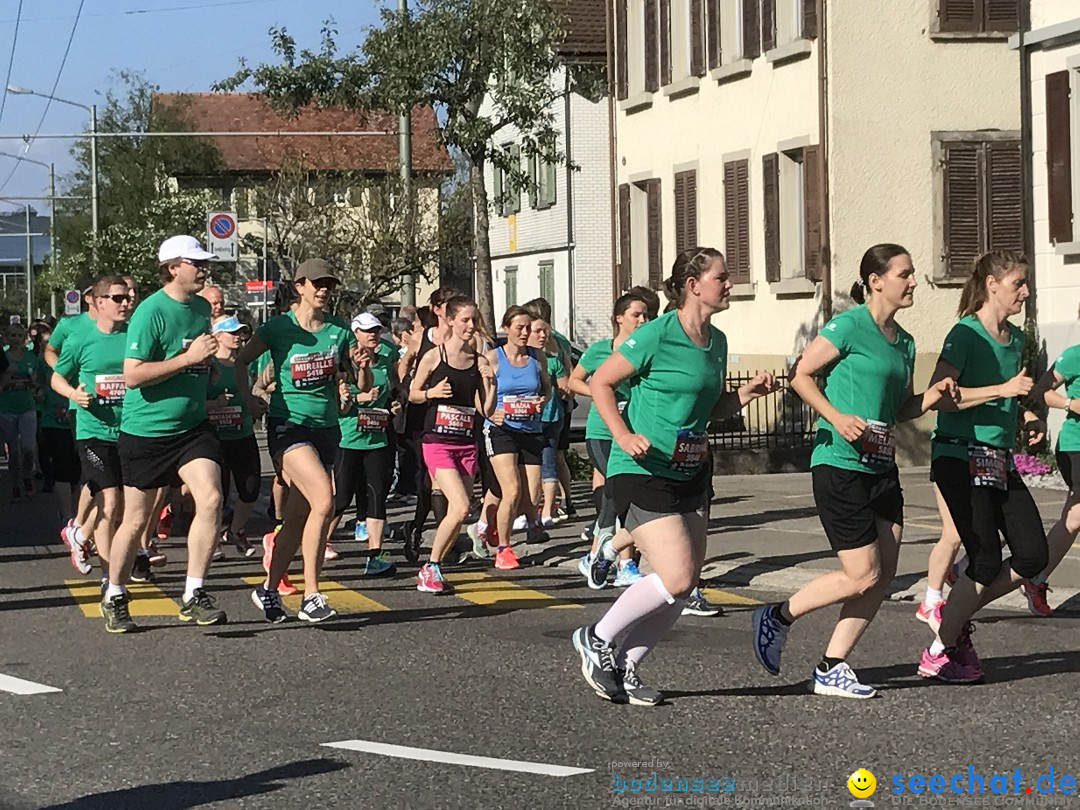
{"points": [[551, 418], [658, 468], [972, 459], [18, 414], [456, 382], [866, 360], [307, 347]]}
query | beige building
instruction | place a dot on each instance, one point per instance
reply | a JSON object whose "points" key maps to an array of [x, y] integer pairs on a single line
{"points": [[794, 134]]}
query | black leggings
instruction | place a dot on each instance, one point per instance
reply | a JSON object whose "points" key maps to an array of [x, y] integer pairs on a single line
{"points": [[241, 462], [981, 512], [365, 475], [599, 452]]}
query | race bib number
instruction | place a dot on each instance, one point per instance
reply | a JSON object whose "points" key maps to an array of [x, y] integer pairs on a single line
{"points": [[877, 446], [989, 467], [691, 447], [229, 418], [109, 388], [201, 368], [19, 382], [521, 408], [312, 370], [372, 420], [454, 420]]}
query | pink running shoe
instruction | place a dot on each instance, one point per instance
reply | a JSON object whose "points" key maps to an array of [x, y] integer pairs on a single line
{"points": [[1036, 597], [506, 559], [930, 616], [430, 579], [329, 554], [945, 669]]}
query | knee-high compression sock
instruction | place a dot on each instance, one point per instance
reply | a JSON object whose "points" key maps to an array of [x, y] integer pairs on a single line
{"points": [[647, 633], [640, 600]]}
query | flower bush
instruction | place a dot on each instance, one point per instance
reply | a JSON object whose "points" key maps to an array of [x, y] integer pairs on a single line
{"points": [[1027, 464]]}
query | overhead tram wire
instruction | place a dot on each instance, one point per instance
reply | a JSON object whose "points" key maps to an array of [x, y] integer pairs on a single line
{"points": [[11, 59]]}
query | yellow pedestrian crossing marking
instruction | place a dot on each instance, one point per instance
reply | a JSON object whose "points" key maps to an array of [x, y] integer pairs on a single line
{"points": [[720, 597], [483, 589], [146, 599], [342, 599]]}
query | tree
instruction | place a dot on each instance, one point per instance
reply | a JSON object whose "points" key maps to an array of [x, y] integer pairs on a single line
{"points": [[452, 55]]}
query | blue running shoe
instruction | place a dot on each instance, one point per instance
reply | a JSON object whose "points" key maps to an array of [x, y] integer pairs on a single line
{"points": [[769, 638], [627, 574], [584, 564], [840, 681], [360, 532]]}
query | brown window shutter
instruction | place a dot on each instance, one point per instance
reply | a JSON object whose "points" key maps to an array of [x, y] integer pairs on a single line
{"points": [[812, 212], [680, 212], [770, 189], [1004, 193], [625, 245], [654, 218], [736, 220], [685, 211], [809, 19], [1059, 156], [697, 37], [652, 47], [665, 43], [751, 44], [768, 25], [691, 209], [960, 15], [963, 205], [622, 73], [712, 30], [1001, 16]]}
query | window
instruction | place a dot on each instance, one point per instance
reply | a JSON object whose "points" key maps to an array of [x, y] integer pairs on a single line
{"points": [[686, 216], [792, 218], [507, 195], [543, 179], [682, 39], [642, 245], [785, 21], [737, 220], [547, 285], [1059, 181], [510, 279], [979, 197], [978, 16], [651, 38], [739, 30]]}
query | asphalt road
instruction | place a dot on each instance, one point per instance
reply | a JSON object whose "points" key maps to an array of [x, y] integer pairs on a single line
{"points": [[242, 715]]}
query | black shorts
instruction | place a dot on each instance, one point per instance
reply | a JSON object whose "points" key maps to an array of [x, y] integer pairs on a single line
{"points": [[57, 455], [1067, 462], [564, 434], [241, 463], [526, 446], [282, 436], [101, 467], [151, 462], [850, 502], [643, 498]]}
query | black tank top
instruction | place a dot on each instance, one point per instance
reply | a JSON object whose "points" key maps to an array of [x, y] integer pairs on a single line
{"points": [[452, 420]]}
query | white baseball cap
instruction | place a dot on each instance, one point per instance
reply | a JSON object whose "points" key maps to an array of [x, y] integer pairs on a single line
{"points": [[183, 247], [365, 322]]}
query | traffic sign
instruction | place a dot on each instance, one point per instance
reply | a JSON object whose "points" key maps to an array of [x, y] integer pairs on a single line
{"points": [[72, 302], [221, 235]]}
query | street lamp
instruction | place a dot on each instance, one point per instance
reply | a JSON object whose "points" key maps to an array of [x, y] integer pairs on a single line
{"points": [[54, 251], [92, 109]]}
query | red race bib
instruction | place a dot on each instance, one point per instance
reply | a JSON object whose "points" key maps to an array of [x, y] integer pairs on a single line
{"points": [[372, 420], [109, 388]]}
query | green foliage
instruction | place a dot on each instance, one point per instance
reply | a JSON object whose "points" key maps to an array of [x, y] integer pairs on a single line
{"points": [[580, 466], [1033, 360]]}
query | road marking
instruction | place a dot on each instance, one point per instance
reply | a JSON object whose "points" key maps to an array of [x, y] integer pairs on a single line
{"points": [[146, 599], [17, 686], [430, 755], [342, 599], [720, 597], [482, 589]]}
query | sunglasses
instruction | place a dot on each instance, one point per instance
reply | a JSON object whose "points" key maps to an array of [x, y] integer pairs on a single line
{"points": [[119, 298], [323, 283], [201, 264]]}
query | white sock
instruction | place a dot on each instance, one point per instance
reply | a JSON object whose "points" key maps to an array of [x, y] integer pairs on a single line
{"points": [[190, 585], [481, 527], [608, 551], [933, 596], [114, 590], [936, 647], [80, 538]]}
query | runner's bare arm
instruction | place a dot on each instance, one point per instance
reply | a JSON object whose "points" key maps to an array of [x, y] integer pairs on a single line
{"points": [[417, 393], [67, 391], [819, 354], [602, 388], [578, 381], [256, 405], [51, 355], [485, 397], [545, 382], [1018, 386]]}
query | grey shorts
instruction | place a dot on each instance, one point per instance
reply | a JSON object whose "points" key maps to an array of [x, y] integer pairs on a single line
{"points": [[641, 499]]}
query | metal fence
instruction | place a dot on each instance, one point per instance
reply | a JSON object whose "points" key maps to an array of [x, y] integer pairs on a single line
{"points": [[780, 420]]}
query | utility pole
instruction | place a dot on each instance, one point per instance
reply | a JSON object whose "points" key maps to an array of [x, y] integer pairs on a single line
{"points": [[408, 281], [54, 249], [29, 271]]}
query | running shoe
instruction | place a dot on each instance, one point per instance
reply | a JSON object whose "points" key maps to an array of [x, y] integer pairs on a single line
{"points": [[1036, 597], [269, 602], [547, 523], [219, 551], [240, 542], [286, 588], [600, 570], [164, 526], [637, 693], [536, 533], [840, 681], [598, 663], [202, 609], [80, 560], [329, 555], [930, 616], [379, 565], [478, 536], [520, 523], [698, 605], [627, 574], [140, 570], [360, 534], [268, 549], [117, 614], [965, 650], [584, 564], [315, 609], [156, 555], [586, 534], [430, 579], [506, 559], [944, 668], [769, 638], [559, 515]]}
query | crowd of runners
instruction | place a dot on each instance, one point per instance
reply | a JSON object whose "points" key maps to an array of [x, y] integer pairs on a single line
{"points": [[135, 412]]}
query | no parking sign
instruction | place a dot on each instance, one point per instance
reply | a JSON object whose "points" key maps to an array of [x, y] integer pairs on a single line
{"points": [[72, 302], [221, 235]]}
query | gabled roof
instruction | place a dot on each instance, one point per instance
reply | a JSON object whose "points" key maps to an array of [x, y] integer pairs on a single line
{"points": [[251, 112]]}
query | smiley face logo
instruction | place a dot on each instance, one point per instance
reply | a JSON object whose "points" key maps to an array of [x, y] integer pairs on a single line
{"points": [[862, 784]]}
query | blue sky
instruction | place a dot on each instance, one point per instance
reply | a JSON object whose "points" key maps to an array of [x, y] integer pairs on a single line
{"points": [[180, 45]]}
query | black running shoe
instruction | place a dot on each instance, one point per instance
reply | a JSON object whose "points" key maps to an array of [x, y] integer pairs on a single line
{"points": [[413, 541], [116, 614], [269, 603], [202, 609], [315, 609], [140, 571], [598, 664], [600, 570], [638, 693]]}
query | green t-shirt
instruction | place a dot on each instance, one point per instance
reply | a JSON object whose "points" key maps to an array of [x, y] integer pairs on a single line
{"points": [[55, 413], [591, 360], [869, 379], [365, 426], [160, 329], [677, 385], [553, 408], [233, 421], [981, 361], [564, 345], [66, 327], [1068, 366], [387, 348], [307, 365], [96, 361], [18, 395]]}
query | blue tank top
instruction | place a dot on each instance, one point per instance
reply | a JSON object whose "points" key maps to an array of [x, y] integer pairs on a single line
{"points": [[513, 382]]}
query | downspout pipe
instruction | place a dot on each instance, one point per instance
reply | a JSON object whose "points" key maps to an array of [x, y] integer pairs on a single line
{"points": [[825, 255], [1027, 201]]}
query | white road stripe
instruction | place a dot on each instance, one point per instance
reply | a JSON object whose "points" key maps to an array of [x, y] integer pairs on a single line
{"points": [[430, 755], [18, 686]]}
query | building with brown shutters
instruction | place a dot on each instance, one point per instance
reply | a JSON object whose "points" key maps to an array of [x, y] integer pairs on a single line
{"points": [[794, 134], [1050, 53]]}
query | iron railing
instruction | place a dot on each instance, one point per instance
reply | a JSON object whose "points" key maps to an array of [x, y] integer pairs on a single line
{"points": [[780, 420]]}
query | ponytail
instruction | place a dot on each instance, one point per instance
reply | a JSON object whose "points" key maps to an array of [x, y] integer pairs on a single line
{"points": [[996, 263]]}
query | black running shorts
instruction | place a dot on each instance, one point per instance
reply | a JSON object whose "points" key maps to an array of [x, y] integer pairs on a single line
{"points": [[850, 502], [151, 462]]}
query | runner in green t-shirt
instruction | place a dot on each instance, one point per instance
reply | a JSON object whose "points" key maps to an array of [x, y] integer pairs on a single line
{"points": [[18, 413], [866, 360], [164, 433], [551, 417], [658, 467], [308, 348]]}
